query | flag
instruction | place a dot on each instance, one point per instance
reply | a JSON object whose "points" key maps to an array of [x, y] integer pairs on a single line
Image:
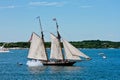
{"points": [[54, 19], [38, 17]]}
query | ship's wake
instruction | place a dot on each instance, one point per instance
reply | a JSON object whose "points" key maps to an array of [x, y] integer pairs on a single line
{"points": [[34, 63]]}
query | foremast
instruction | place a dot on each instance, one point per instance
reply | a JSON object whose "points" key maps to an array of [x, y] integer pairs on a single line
{"points": [[42, 36]]}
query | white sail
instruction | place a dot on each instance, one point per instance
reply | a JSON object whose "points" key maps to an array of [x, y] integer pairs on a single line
{"points": [[37, 49], [71, 49], [3, 49], [56, 51], [68, 53]]}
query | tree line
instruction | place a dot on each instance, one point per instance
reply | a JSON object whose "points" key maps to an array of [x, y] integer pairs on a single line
{"points": [[78, 44]]}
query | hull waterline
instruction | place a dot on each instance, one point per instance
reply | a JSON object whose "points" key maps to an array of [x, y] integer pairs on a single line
{"points": [[58, 63]]}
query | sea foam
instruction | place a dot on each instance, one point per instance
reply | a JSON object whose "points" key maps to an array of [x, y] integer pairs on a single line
{"points": [[33, 63]]}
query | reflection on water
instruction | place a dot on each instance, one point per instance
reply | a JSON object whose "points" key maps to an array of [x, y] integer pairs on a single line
{"points": [[37, 69], [64, 68], [53, 69]]}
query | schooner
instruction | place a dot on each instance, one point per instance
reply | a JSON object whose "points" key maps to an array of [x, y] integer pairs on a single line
{"points": [[58, 57]]}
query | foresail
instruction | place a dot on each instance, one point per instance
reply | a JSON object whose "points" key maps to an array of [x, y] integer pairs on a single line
{"points": [[37, 49], [74, 51], [56, 51], [68, 53]]}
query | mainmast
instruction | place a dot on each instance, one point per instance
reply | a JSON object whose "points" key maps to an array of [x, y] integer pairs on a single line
{"points": [[58, 35], [42, 35]]}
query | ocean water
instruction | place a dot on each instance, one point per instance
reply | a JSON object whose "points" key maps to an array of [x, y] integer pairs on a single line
{"points": [[95, 69]]}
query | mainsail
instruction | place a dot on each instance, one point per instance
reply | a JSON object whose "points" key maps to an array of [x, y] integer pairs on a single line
{"points": [[37, 49], [56, 51], [71, 51]]}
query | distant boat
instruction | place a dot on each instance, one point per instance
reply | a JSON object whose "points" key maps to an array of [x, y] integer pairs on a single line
{"points": [[57, 57], [3, 49], [103, 55]]}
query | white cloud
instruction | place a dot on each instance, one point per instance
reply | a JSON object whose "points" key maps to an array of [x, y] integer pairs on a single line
{"points": [[7, 7], [46, 3]]}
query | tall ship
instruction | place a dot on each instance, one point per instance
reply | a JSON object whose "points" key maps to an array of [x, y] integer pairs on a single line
{"points": [[58, 56]]}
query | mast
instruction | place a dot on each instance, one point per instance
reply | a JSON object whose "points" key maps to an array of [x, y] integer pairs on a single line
{"points": [[40, 27], [42, 35], [58, 36]]}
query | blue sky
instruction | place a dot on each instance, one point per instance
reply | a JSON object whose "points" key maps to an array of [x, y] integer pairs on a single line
{"points": [[78, 19]]}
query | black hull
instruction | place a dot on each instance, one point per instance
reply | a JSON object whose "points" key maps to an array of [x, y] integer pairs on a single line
{"points": [[58, 63]]}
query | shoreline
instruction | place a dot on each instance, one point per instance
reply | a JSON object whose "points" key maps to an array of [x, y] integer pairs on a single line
{"points": [[49, 48], [16, 48]]}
